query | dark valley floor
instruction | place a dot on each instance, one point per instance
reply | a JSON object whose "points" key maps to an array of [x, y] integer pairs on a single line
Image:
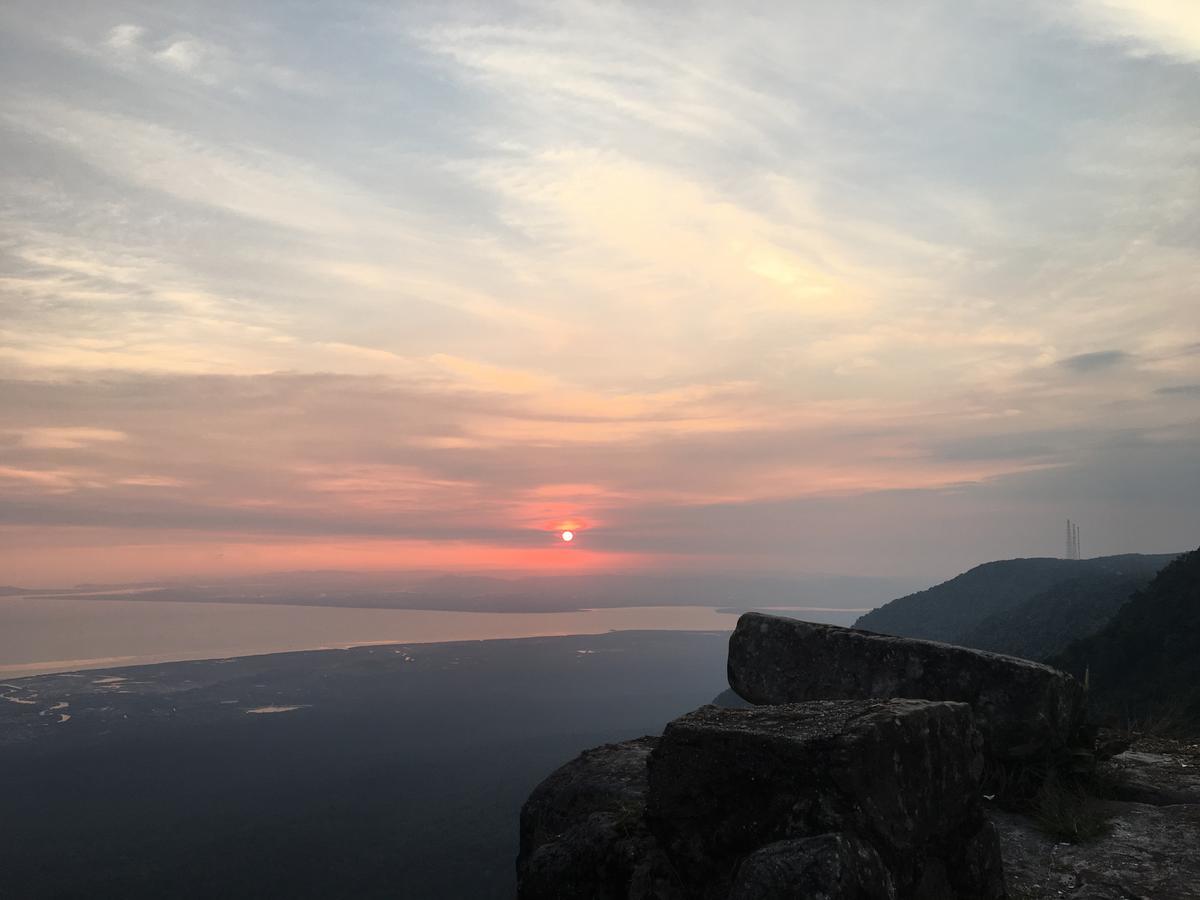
{"points": [[391, 771]]}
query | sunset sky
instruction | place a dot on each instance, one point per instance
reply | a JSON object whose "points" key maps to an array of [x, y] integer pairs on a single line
{"points": [[862, 288]]}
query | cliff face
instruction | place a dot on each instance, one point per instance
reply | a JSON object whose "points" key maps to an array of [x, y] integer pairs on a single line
{"points": [[854, 798], [860, 775], [869, 786]]}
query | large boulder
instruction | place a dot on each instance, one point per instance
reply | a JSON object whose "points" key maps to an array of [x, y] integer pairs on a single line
{"points": [[828, 865], [583, 832], [843, 800], [899, 778], [1024, 710]]}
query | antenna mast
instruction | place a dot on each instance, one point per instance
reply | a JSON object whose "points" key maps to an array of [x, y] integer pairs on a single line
{"points": [[1072, 540]]}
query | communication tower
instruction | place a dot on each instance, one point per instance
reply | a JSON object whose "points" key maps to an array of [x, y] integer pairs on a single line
{"points": [[1072, 540]]}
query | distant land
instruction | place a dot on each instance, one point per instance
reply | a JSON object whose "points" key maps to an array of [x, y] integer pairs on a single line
{"points": [[1024, 607], [480, 593], [1047, 622], [377, 772], [40, 635]]}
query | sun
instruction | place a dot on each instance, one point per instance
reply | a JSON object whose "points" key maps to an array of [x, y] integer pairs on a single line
{"points": [[568, 536]]}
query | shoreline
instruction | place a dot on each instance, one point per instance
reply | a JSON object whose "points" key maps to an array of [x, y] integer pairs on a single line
{"points": [[43, 637], [9, 679]]}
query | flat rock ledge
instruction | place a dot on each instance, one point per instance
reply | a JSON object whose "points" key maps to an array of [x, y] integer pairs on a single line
{"points": [[1024, 710], [1158, 779], [1151, 850], [1150, 853], [831, 799]]}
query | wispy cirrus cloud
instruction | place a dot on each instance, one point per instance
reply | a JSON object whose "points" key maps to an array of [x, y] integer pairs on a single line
{"points": [[59, 438], [136, 47], [443, 276]]}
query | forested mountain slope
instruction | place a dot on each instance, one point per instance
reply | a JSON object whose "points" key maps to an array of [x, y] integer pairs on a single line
{"points": [[954, 610], [1144, 665]]}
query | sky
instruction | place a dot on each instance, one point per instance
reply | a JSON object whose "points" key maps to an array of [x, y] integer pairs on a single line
{"points": [[858, 288]]}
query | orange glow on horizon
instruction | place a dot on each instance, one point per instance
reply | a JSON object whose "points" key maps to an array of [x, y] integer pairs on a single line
{"points": [[104, 555]]}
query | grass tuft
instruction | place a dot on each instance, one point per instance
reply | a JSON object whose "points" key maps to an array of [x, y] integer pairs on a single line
{"points": [[1066, 811]]}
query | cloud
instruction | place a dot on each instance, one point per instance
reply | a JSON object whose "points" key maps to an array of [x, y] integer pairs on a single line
{"points": [[1170, 27], [202, 61], [47, 481], [289, 454], [742, 286], [152, 481], [124, 38], [1097, 361], [258, 184], [1179, 390], [59, 438]]}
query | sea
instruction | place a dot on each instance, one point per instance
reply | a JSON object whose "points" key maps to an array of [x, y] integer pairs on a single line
{"points": [[46, 634]]}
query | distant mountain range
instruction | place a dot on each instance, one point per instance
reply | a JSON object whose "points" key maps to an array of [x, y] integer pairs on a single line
{"points": [[1143, 666], [1025, 607]]}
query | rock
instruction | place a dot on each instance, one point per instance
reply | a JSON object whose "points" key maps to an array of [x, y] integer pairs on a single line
{"points": [[1109, 743], [1160, 779], [829, 865], [583, 834], [902, 776], [1149, 854], [1149, 851], [729, 699], [836, 799], [1025, 710]]}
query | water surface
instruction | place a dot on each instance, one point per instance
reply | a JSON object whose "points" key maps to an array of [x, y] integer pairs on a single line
{"points": [[59, 634]]}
